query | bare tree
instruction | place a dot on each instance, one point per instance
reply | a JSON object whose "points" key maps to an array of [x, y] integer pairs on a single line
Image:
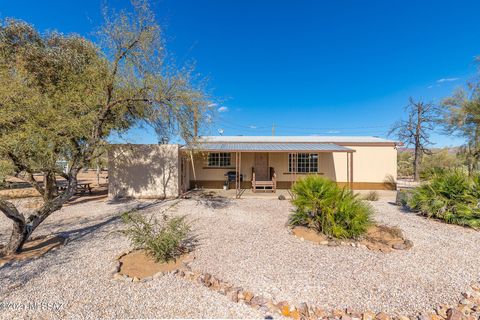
{"points": [[415, 131]]}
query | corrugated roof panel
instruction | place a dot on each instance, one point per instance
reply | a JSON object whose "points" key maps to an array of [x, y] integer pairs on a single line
{"points": [[293, 139], [272, 147]]}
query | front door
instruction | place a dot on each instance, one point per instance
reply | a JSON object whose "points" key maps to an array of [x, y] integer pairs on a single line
{"points": [[261, 167]]}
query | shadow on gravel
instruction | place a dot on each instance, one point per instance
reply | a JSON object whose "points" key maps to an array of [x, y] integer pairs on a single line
{"points": [[212, 200]]}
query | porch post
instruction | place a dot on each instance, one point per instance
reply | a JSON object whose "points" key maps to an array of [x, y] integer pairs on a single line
{"points": [[351, 170], [236, 174], [348, 170], [239, 175]]}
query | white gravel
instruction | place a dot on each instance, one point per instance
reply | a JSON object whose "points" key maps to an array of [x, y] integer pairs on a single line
{"points": [[246, 243], [77, 280]]}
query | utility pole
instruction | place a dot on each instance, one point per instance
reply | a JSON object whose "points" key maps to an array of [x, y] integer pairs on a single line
{"points": [[273, 128]]}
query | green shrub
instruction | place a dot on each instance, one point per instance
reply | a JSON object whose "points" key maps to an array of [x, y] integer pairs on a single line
{"points": [[165, 240], [322, 205], [371, 196], [450, 195]]}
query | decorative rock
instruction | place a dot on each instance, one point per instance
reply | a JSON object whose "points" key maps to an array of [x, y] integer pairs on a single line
{"points": [[207, 279], [368, 315], [324, 242], [257, 301], [441, 311], [408, 244], [382, 316], [454, 314], [338, 313], [403, 318], [285, 310], [232, 295], [303, 309], [320, 313], [399, 246], [248, 296], [135, 279], [117, 276]]}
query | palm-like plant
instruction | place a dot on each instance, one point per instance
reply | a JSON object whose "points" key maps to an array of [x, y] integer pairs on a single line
{"points": [[322, 205], [450, 195]]}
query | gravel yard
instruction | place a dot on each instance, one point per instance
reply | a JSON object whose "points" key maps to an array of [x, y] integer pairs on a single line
{"points": [[77, 279], [246, 243]]}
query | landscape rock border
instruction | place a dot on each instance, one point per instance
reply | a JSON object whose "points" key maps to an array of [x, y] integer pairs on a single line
{"points": [[468, 308], [116, 275], [331, 242]]}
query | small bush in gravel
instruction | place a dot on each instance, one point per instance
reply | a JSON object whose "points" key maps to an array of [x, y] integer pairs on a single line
{"points": [[164, 239], [334, 211], [371, 196], [450, 195]]}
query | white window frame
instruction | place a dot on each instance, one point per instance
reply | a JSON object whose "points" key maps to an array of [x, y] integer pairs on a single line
{"points": [[219, 159], [305, 162]]}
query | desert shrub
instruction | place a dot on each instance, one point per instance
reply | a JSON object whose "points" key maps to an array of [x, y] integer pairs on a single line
{"points": [[403, 196], [164, 239], [371, 196], [450, 195], [322, 205]]}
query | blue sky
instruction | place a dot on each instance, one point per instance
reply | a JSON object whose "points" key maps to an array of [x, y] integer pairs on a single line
{"points": [[310, 67]]}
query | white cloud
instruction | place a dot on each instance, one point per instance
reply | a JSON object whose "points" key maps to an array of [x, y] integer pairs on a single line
{"points": [[252, 127], [447, 80], [213, 105], [333, 131], [222, 109], [430, 86]]}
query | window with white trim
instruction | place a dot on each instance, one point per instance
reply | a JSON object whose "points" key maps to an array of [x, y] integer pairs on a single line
{"points": [[303, 162], [219, 159]]}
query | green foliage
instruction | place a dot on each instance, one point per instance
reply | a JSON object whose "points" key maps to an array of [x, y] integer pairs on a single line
{"points": [[322, 205], [371, 196], [450, 195], [438, 159], [405, 163], [462, 118], [164, 239]]}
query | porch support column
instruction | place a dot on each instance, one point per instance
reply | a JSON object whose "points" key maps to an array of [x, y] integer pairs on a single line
{"points": [[348, 170], [238, 170], [239, 174], [351, 170]]}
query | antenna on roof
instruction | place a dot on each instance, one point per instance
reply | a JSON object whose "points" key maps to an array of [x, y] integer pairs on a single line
{"points": [[273, 128], [220, 131]]}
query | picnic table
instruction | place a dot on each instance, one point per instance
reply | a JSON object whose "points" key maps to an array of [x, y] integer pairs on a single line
{"points": [[81, 187]]}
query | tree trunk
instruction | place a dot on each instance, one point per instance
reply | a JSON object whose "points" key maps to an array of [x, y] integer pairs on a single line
{"points": [[22, 229], [416, 164], [18, 238], [18, 235]]}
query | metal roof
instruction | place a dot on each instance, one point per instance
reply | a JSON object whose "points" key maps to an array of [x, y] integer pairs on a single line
{"points": [[297, 139], [271, 147]]}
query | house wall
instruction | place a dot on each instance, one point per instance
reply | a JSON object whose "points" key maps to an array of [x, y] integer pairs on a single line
{"points": [[374, 167], [144, 171]]}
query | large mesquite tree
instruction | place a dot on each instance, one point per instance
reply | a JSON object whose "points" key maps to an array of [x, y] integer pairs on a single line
{"points": [[61, 96]]}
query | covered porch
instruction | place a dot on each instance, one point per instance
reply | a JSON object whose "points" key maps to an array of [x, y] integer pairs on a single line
{"points": [[269, 167]]}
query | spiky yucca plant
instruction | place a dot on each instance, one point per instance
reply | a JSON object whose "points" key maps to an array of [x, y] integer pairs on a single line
{"points": [[449, 195], [322, 205]]}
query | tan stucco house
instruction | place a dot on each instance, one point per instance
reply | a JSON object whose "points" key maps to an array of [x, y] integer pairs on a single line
{"points": [[262, 163]]}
